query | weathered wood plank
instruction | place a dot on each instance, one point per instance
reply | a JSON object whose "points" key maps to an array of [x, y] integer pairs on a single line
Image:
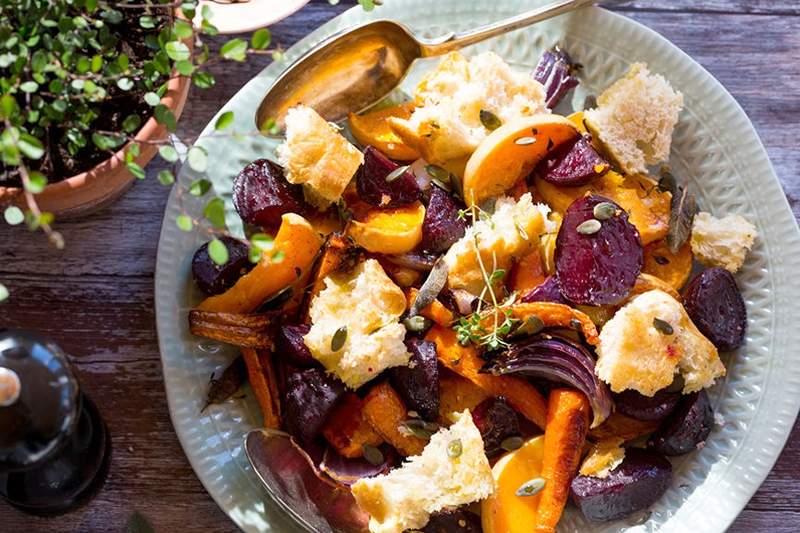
{"points": [[96, 298]]}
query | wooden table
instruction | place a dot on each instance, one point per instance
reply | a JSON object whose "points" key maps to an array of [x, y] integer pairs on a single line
{"points": [[95, 298]]}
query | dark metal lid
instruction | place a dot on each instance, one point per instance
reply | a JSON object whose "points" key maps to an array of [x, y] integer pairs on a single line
{"points": [[39, 400]]}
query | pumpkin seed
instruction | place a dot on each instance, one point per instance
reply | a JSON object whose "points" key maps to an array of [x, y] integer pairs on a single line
{"points": [[589, 227], [531, 326], [339, 338], [510, 444], [454, 448], [433, 285], [437, 172], [532, 487], [525, 141], [604, 210], [663, 326], [661, 260], [373, 455], [396, 173], [575, 324], [417, 324], [489, 120], [420, 428], [667, 182]]}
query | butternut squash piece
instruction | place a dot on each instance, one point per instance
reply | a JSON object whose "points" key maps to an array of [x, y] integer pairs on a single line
{"points": [[457, 393], [674, 269], [298, 242], [373, 129], [567, 423], [384, 410], [557, 315], [511, 152], [389, 231], [436, 311], [346, 428], [338, 253], [527, 273], [464, 361]]}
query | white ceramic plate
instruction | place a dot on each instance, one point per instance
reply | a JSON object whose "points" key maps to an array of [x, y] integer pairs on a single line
{"points": [[251, 15], [715, 148]]}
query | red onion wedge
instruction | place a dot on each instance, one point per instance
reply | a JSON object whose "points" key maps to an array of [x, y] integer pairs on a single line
{"points": [[347, 471], [557, 359], [294, 483]]}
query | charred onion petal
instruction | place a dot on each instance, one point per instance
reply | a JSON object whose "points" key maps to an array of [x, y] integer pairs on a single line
{"points": [[292, 479], [347, 471], [554, 71], [599, 268], [374, 188], [558, 359], [420, 261]]}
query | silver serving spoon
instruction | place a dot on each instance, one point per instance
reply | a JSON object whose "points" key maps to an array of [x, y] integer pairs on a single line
{"points": [[357, 67]]}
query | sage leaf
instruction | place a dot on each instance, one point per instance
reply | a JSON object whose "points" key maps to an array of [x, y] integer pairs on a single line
{"points": [[682, 211], [433, 285]]}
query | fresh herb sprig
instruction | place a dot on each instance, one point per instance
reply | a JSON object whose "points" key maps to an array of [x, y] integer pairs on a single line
{"points": [[487, 328]]}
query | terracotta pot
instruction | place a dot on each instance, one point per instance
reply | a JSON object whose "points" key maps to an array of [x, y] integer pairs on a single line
{"points": [[98, 187]]}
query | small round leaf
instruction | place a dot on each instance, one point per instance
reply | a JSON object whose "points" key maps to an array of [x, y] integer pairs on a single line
{"points": [[14, 215], [168, 153], [218, 252], [198, 158], [224, 120], [3, 292], [184, 222], [261, 39]]}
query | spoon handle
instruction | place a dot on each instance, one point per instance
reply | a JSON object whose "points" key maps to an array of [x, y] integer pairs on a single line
{"points": [[454, 41]]}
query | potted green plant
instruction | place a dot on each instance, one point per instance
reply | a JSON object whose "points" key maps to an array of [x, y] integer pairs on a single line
{"points": [[91, 91]]}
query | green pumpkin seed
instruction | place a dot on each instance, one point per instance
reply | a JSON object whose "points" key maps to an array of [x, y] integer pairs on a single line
{"points": [[512, 443], [531, 326], [417, 324], [372, 454], [421, 428], [339, 338], [430, 289], [489, 120], [663, 326], [589, 227], [604, 210], [575, 324], [396, 173], [524, 141], [454, 448], [661, 260], [437, 172], [529, 488]]}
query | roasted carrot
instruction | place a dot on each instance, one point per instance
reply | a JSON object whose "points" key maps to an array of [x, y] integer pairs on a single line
{"points": [[298, 243], [436, 311], [384, 410], [567, 423], [557, 315], [262, 382], [464, 360], [346, 428]]}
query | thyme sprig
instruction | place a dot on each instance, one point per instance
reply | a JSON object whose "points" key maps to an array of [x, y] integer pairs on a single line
{"points": [[486, 328]]}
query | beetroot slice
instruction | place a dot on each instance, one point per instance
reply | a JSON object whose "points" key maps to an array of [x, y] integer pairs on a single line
{"points": [[717, 308], [373, 187], [597, 268], [442, 227], [261, 194], [572, 164], [547, 291]]}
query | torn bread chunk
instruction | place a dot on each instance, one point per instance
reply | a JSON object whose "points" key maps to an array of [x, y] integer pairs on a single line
{"points": [[317, 156], [447, 123], [513, 230], [355, 330], [722, 242], [451, 471], [634, 119], [650, 340]]}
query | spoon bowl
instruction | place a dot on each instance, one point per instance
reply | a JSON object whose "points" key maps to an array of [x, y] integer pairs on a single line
{"points": [[357, 67]]}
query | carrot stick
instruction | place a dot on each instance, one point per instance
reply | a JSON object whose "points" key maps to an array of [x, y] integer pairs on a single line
{"points": [[384, 410], [464, 360], [260, 381], [436, 311], [567, 423]]}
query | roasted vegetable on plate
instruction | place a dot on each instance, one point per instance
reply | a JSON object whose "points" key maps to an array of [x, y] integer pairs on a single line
{"points": [[488, 325]]}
